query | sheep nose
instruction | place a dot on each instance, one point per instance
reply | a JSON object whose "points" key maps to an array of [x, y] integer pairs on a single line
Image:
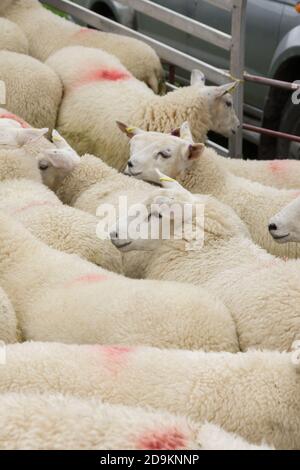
{"points": [[272, 227], [130, 164]]}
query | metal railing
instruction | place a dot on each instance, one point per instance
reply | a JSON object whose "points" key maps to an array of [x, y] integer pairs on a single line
{"points": [[234, 43]]}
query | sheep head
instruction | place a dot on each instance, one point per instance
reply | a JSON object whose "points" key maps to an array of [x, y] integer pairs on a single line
{"points": [[170, 154]]}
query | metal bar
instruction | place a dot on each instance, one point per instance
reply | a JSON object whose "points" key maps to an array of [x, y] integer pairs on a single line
{"points": [[281, 135], [271, 82], [224, 4], [237, 65], [181, 22], [167, 53]]}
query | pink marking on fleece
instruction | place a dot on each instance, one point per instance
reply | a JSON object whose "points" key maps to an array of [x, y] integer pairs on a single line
{"points": [[113, 358], [33, 204], [278, 166], [84, 32], [170, 439], [88, 279], [102, 74], [23, 123], [296, 194]]}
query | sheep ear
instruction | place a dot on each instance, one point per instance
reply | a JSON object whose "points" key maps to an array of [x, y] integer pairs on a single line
{"points": [[130, 131], [186, 133], [227, 88], [175, 132], [197, 78], [195, 151], [59, 141], [61, 159]]}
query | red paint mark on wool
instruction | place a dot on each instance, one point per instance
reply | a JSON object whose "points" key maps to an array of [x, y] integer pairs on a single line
{"points": [[84, 32], [33, 204], [278, 166], [100, 75], [114, 358], [89, 279], [169, 439], [23, 123]]}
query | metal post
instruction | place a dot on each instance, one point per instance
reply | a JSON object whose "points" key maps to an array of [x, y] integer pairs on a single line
{"points": [[237, 63]]}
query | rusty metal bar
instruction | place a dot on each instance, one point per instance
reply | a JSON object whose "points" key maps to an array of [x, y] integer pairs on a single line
{"points": [[271, 133], [271, 82]]}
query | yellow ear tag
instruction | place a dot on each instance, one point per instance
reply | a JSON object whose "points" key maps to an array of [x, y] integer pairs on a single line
{"points": [[130, 129], [167, 179]]}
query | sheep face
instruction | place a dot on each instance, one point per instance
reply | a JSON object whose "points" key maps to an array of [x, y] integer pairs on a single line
{"points": [[285, 226], [175, 217], [220, 104], [57, 163], [153, 150]]}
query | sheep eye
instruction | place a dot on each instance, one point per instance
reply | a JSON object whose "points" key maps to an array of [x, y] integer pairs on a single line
{"points": [[43, 166], [164, 154], [228, 104]]}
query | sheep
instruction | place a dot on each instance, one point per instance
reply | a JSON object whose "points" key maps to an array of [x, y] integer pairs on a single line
{"points": [[12, 37], [9, 332], [198, 169], [253, 394], [59, 226], [16, 132], [48, 33], [89, 88], [89, 424], [60, 297], [260, 290], [280, 174], [284, 226], [33, 90]]}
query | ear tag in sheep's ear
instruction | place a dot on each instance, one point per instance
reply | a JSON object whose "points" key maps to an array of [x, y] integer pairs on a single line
{"points": [[166, 178], [59, 141]]}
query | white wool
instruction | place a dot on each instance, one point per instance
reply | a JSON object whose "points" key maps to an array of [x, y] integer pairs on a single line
{"points": [[61, 297], [12, 37], [33, 90], [47, 33], [203, 172], [253, 394], [260, 290], [100, 91]]}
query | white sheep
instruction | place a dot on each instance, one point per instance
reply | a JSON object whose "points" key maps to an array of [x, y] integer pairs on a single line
{"points": [[12, 37], [9, 332], [199, 170], [260, 290], [60, 297], [33, 90], [253, 394], [89, 424], [285, 226], [61, 227], [48, 33], [281, 174], [94, 100]]}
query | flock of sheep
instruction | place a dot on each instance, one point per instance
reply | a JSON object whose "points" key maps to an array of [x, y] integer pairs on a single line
{"points": [[128, 343]]}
